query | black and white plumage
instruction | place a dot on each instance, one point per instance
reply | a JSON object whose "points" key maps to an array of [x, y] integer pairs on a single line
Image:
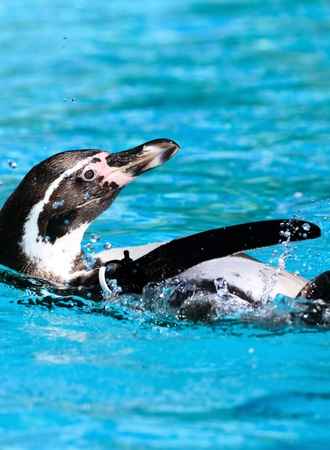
{"points": [[43, 222]]}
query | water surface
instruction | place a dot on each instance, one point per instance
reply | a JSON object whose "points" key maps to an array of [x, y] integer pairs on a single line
{"points": [[244, 87]]}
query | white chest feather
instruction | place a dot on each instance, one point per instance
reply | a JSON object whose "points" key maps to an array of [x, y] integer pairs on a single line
{"points": [[58, 258]]}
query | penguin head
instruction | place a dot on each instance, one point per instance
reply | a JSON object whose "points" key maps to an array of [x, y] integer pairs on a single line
{"points": [[57, 200]]}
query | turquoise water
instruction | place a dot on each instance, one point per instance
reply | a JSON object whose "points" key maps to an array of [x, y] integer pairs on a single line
{"points": [[244, 87]]}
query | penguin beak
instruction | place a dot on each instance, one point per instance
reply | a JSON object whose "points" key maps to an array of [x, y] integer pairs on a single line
{"points": [[128, 164]]}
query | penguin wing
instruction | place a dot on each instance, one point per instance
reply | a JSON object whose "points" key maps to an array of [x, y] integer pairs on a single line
{"points": [[174, 257]]}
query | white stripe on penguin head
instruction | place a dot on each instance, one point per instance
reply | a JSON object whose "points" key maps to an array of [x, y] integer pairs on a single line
{"points": [[58, 257]]}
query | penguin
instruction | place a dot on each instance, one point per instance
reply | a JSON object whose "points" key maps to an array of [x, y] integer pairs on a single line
{"points": [[43, 222]]}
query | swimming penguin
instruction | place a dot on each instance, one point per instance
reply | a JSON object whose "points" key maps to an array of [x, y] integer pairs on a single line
{"points": [[43, 222]]}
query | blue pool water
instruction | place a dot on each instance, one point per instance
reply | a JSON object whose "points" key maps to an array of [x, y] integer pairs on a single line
{"points": [[244, 87]]}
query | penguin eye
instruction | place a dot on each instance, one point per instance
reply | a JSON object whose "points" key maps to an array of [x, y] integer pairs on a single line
{"points": [[89, 175]]}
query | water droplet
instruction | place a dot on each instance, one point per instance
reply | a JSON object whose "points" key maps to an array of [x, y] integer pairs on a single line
{"points": [[12, 164], [57, 204], [114, 289], [221, 286], [306, 227], [285, 233]]}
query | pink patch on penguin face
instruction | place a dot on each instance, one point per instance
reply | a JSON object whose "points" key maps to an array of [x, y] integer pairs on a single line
{"points": [[109, 174]]}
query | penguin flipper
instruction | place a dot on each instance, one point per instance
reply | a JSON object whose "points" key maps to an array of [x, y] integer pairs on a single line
{"points": [[174, 257]]}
